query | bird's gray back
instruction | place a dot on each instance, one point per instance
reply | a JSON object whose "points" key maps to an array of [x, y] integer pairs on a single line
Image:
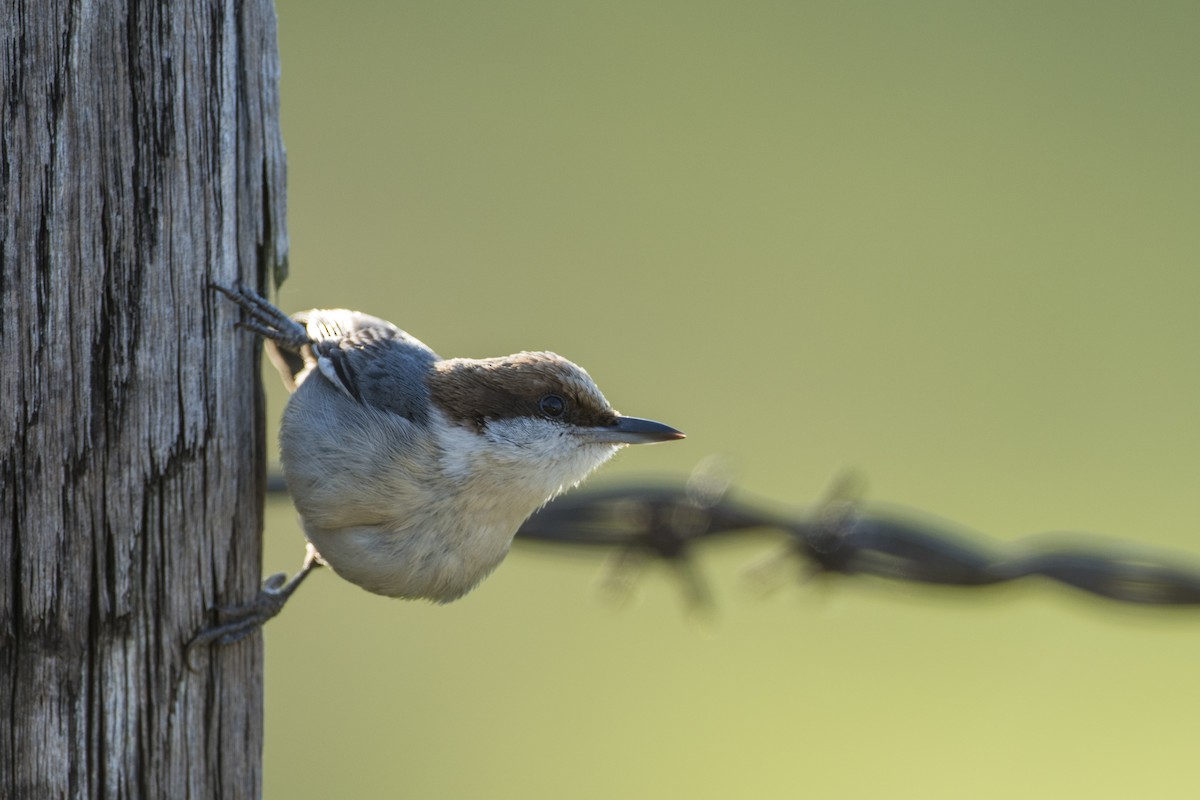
{"points": [[371, 360]]}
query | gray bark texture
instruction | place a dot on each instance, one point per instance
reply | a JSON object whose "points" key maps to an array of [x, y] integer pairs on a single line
{"points": [[141, 159]]}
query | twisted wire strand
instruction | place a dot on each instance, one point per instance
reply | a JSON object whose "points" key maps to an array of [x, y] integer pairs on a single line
{"points": [[842, 536]]}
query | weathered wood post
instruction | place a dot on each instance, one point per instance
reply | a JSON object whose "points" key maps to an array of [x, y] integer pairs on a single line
{"points": [[141, 159]]}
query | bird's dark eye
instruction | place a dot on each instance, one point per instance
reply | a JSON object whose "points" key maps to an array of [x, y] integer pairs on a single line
{"points": [[552, 405]]}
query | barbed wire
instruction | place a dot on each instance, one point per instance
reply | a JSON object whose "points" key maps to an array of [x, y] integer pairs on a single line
{"points": [[842, 535]]}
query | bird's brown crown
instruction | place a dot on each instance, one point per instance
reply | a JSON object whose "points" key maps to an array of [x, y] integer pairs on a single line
{"points": [[473, 391]]}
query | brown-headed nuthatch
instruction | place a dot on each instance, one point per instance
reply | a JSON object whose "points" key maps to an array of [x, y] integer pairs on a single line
{"points": [[411, 472]]}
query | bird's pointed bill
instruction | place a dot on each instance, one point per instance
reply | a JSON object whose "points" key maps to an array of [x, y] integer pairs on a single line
{"points": [[632, 430]]}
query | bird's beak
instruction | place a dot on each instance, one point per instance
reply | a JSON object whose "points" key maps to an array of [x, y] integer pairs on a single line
{"points": [[632, 430]]}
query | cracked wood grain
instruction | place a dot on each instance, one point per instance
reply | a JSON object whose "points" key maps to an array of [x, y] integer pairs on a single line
{"points": [[141, 159]]}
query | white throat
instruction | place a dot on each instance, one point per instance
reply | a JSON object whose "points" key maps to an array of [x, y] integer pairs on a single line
{"points": [[520, 463]]}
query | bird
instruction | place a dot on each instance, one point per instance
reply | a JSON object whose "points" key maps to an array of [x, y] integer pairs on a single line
{"points": [[411, 473]]}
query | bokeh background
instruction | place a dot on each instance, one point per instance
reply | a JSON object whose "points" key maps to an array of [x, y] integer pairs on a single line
{"points": [[953, 245]]}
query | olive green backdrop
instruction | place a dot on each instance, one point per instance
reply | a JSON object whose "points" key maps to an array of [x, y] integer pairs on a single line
{"points": [[951, 244]]}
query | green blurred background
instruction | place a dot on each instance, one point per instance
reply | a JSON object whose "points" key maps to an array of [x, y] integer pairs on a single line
{"points": [[951, 244]]}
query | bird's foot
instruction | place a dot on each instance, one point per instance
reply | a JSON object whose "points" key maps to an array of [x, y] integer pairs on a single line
{"points": [[237, 622], [264, 318]]}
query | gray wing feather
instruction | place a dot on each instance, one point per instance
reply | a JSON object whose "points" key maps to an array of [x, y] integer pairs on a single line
{"points": [[370, 360]]}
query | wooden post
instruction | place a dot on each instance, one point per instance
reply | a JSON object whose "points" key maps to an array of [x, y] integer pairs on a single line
{"points": [[141, 158]]}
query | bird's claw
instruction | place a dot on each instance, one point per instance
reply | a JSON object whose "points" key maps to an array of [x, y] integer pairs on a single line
{"points": [[237, 622], [275, 582]]}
